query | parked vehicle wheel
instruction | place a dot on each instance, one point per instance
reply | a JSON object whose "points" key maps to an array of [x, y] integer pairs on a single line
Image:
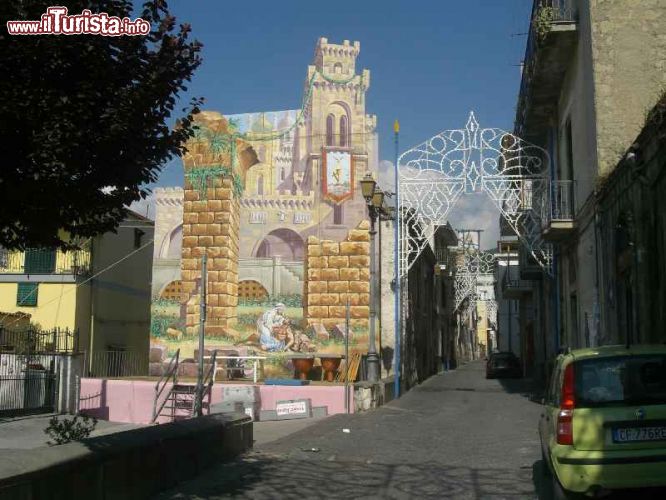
{"points": [[560, 493], [545, 465]]}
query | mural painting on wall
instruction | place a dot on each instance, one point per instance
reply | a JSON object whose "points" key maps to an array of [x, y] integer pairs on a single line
{"points": [[270, 198]]}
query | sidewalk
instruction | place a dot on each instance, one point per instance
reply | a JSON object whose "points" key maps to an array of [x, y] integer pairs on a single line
{"points": [[26, 433]]}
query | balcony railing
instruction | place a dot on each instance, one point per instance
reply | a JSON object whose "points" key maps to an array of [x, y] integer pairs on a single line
{"points": [[513, 287], [32, 340], [545, 15], [529, 267], [45, 261], [558, 211], [560, 203], [115, 364]]}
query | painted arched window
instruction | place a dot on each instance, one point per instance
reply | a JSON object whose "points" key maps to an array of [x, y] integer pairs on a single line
{"points": [[343, 130], [330, 119], [260, 185], [282, 173], [337, 68]]}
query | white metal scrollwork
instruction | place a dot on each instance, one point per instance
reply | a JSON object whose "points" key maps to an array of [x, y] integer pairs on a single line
{"points": [[472, 265], [434, 174]]}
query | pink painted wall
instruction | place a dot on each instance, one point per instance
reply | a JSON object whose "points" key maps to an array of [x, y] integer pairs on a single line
{"points": [[131, 401]]}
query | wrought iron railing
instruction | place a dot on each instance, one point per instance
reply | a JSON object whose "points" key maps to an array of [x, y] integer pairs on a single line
{"points": [[543, 11], [45, 261], [116, 364], [170, 376], [206, 388], [33, 340], [513, 281], [559, 202]]}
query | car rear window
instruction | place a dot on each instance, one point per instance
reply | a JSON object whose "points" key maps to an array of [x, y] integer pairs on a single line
{"points": [[621, 380], [503, 358]]}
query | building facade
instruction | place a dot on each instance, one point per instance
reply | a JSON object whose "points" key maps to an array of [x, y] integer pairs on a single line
{"points": [[101, 291], [591, 71]]}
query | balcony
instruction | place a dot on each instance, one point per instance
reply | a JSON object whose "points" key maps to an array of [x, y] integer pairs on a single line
{"points": [[446, 263], [513, 286], [558, 211], [47, 264], [529, 267], [551, 41]]}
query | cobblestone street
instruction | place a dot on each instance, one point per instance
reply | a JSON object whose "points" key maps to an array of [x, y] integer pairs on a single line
{"points": [[457, 435]]}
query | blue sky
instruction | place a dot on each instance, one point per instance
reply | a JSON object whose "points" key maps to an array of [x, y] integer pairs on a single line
{"points": [[431, 61]]}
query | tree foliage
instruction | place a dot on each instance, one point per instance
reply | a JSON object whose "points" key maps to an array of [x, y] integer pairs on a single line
{"points": [[84, 120]]}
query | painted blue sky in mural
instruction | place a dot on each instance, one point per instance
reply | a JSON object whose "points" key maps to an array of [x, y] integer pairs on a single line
{"points": [[431, 62]]}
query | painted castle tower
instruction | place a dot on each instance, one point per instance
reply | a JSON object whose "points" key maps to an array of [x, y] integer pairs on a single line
{"points": [[304, 182]]}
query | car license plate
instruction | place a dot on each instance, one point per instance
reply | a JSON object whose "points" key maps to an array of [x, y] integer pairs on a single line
{"points": [[633, 434]]}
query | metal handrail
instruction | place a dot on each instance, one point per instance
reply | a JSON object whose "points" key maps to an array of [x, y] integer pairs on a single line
{"points": [[207, 382], [171, 373]]}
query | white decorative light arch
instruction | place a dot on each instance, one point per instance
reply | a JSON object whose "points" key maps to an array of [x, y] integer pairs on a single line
{"points": [[435, 174]]}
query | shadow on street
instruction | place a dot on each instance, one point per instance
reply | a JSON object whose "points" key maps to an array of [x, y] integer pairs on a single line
{"points": [[272, 477]]}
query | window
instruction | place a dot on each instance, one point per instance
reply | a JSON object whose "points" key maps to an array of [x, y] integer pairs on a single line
{"points": [[329, 130], [39, 261], [282, 173], [337, 68], [338, 215], [137, 237], [26, 295], [622, 380], [260, 185], [343, 130]]}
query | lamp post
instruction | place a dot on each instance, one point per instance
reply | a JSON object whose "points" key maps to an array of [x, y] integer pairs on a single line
{"points": [[374, 199]]}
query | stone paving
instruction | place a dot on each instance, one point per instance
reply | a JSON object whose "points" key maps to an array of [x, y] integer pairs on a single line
{"points": [[457, 435]]}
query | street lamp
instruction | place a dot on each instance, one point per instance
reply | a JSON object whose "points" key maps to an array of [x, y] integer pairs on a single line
{"points": [[374, 199]]}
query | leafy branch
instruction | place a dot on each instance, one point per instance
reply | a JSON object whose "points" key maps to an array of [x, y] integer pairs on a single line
{"points": [[67, 430]]}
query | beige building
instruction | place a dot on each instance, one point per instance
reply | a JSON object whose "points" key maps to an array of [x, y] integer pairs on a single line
{"points": [[592, 70]]}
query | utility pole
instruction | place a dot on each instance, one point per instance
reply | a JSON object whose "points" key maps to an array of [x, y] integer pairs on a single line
{"points": [[198, 407], [396, 269]]}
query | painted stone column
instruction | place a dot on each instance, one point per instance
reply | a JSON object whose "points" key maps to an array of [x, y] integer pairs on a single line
{"points": [[334, 273], [215, 166], [211, 225]]}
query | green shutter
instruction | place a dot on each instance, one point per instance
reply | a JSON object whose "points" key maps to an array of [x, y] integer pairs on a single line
{"points": [[39, 261], [27, 294]]}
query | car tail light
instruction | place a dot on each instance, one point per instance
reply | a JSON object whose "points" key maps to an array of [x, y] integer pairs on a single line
{"points": [[567, 405]]}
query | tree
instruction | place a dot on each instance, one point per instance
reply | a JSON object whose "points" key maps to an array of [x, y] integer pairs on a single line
{"points": [[84, 120]]}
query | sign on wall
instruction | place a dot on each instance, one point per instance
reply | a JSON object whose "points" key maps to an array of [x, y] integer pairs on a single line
{"points": [[338, 175]]}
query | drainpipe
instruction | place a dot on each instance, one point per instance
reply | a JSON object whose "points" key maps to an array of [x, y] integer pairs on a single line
{"points": [[551, 152], [89, 362]]}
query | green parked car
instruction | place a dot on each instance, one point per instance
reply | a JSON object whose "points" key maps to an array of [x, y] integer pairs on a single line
{"points": [[603, 424]]}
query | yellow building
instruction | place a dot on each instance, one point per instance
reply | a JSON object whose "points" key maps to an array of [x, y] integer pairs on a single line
{"points": [[91, 291]]}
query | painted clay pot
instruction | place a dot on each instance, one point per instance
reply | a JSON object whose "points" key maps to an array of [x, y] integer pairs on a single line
{"points": [[303, 366]]}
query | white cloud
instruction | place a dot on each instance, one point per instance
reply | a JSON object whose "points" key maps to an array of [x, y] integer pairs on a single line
{"points": [[477, 211], [472, 211], [386, 175]]}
